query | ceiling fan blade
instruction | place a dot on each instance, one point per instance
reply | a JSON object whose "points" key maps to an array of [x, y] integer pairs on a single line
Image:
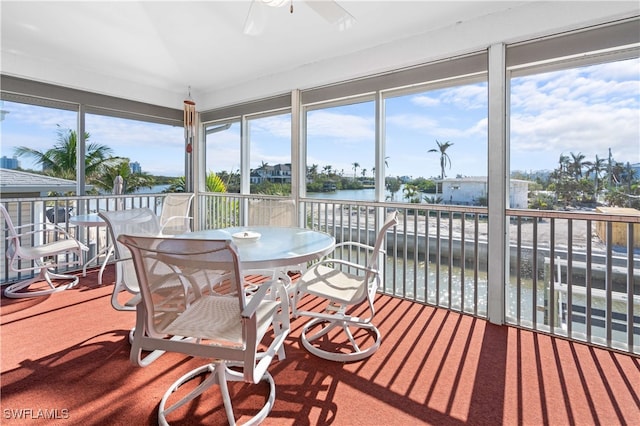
{"points": [[333, 13], [256, 18]]}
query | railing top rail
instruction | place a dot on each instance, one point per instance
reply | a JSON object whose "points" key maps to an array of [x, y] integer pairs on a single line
{"points": [[576, 215], [247, 196], [430, 207], [80, 197]]}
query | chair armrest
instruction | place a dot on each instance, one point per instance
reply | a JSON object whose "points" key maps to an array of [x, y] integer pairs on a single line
{"points": [[345, 263], [255, 301], [353, 244], [44, 227], [357, 245]]}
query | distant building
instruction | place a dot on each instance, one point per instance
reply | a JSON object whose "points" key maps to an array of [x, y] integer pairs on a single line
{"points": [[9, 163], [472, 191], [280, 173], [135, 167]]}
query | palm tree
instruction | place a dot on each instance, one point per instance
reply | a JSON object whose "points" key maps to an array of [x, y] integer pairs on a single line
{"points": [[393, 185], [132, 181], [629, 175], [356, 166], [444, 157], [313, 171], [411, 193], [213, 183], [596, 167], [60, 161], [577, 164]]}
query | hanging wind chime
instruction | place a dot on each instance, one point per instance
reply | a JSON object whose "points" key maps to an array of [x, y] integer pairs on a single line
{"points": [[189, 139], [189, 122]]}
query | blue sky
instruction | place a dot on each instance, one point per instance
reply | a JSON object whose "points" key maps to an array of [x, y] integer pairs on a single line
{"points": [[586, 110]]}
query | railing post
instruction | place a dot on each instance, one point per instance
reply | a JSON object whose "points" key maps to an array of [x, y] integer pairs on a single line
{"points": [[498, 190]]}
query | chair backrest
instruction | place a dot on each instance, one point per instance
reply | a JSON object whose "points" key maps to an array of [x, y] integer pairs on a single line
{"points": [[272, 213], [175, 263], [28, 242], [141, 221], [174, 217], [13, 245], [390, 222]]}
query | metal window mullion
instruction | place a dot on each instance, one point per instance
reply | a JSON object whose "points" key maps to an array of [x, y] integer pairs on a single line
{"points": [[498, 186]]}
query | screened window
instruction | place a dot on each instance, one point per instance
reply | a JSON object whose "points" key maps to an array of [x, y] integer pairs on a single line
{"points": [[270, 154], [149, 156], [341, 150], [222, 157], [575, 133], [436, 146], [31, 130]]}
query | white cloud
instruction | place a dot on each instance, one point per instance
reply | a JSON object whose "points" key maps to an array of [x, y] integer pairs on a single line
{"points": [[413, 121], [425, 101], [345, 127], [578, 110], [277, 125]]}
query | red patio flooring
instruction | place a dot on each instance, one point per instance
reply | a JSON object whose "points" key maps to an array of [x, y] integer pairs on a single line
{"points": [[67, 356]]}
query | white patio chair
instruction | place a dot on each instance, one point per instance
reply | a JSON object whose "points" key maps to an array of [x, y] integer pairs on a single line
{"points": [[275, 213], [345, 285], [228, 330], [174, 217], [272, 213], [42, 257], [141, 221]]}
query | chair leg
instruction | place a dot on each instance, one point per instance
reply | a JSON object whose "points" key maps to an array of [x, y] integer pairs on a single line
{"points": [[219, 374], [355, 354], [14, 291], [135, 339], [136, 335]]}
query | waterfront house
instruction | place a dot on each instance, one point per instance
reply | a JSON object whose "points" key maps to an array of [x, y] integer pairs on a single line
{"points": [[278, 173], [472, 191]]}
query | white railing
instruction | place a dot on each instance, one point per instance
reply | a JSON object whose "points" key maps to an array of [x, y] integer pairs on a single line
{"points": [[570, 274], [59, 209], [576, 274], [602, 307]]}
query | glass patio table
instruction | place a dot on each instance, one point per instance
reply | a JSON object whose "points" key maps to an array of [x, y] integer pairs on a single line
{"points": [[275, 247]]}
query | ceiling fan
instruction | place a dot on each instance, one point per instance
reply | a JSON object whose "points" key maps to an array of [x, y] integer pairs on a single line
{"points": [[330, 10]]}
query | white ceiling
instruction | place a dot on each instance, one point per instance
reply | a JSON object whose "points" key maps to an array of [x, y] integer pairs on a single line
{"points": [[154, 50]]}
